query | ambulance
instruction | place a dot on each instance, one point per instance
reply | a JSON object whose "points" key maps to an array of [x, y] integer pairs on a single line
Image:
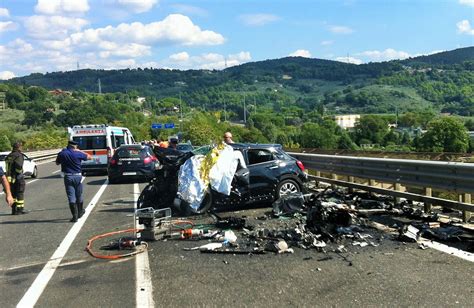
{"points": [[100, 141]]}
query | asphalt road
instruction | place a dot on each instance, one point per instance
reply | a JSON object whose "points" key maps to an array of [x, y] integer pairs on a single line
{"points": [[392, 274]]}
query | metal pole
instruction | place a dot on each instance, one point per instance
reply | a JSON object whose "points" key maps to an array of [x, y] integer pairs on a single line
{"points": [[180, 113], [245, 111], [225, 109]]}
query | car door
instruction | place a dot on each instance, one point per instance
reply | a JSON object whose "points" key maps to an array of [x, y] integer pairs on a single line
{"points": [[28, 165], [262, 166]]}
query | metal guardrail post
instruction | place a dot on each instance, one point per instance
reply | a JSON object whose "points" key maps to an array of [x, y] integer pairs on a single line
{"points": [[428, 193], [397, 187], [350, 179], [372, 184], [334, 177], [466, 215]]}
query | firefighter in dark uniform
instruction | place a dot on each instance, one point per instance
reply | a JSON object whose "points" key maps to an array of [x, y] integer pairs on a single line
{"points": [[14, 172]]}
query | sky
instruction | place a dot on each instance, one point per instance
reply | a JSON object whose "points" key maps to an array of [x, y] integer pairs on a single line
{"points": [[40, 36]]}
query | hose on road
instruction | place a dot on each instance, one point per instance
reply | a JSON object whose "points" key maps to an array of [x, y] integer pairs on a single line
{"points": [[143, 245]]}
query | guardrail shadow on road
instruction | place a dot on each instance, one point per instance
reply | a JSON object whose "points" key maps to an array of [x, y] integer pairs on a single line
{"points": [[130, 210]]}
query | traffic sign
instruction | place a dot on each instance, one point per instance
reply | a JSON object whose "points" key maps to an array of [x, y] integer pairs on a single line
{"points": [[169, 125], [156, 125]]}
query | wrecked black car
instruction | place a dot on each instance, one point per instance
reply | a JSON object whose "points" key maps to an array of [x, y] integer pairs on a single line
{"points": [[269, 174]]}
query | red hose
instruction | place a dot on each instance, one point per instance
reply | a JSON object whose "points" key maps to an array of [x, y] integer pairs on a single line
{"points": [[112, 257]]}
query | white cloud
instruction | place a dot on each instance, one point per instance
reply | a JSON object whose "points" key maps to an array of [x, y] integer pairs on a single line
{"points": [[207, 61], [137, 6], [5, 75], [464, 27], [327, 43], [58, 7], [174, 29], [4, 12], [467, 2], [385, 55], [190, 10], [340, 30], [128, 50], [52, 27], [7, 26], [349, 60], [255, 20], [180, 57], [300, 53]]}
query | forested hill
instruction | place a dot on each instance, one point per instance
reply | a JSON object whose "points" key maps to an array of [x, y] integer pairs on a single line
{"points": [[161, 82], [456, 56], [442, 82]]}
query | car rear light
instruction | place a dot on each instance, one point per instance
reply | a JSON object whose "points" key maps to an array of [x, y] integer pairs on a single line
{"points": [[300, 165], [113, 162], [109, 153]]}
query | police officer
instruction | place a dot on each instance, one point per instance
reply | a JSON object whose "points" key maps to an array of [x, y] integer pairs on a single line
{"points": [[14, 172], [6, 188], [70, 159]]}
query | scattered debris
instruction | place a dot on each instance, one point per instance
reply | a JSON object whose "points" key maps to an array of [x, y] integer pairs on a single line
{"points": [[409, 233]]}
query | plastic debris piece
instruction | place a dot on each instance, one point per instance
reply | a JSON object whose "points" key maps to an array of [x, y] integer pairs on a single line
{"points": [[409, 233], [210, 246]]}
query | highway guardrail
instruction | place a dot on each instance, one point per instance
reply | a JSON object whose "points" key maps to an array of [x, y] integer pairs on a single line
{"points": [[43, 155], [397, 175]]}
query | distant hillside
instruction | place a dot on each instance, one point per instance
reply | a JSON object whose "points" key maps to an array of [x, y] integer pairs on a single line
{"points": [[446, 85], [456, 56]]}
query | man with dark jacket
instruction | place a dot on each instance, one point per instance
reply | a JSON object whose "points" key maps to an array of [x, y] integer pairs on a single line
{"points": [[16, 179], [70, 160]]}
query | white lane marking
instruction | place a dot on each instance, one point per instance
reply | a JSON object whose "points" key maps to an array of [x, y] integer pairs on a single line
{"points": [[36, 289], [448, 249], [144, 286], [56, 171]]}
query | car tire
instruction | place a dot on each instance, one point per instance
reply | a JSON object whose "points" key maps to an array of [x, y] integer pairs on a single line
{"points": [[112, 180], [35, 173], [286, 187], [206, 203]]}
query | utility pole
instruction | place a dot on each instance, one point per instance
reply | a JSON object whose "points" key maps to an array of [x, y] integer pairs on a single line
{"points": [[396, 115], [180, 113], [225, 109], [245, 111]]}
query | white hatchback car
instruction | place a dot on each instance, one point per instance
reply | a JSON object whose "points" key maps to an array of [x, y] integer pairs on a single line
{"points": [[29, 165]]}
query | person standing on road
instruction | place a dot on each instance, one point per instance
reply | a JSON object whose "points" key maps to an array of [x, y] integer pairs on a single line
{"points": [[6, 188], [16, 179], [70, 160]]}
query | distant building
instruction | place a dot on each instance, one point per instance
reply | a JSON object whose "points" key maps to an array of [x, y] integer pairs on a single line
{"points": [[471, 134], [141, 100], [57, 92], [347, 121], [286, 77]]}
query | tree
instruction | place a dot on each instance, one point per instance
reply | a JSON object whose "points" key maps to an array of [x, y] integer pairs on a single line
{"points": [[5, 144], [371, 127], [445, 134]]}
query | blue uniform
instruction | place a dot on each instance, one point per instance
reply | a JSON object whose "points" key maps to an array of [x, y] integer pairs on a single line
{"points": [[70, 161], [2, 173]]}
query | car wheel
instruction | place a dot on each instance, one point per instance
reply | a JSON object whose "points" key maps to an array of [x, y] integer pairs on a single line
{"points": [[112, 180], [35, 173], [203, 207], [287, 187]]}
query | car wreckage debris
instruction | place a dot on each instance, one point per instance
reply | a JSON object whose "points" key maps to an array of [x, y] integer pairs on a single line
{"points": [[329, 220]]}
